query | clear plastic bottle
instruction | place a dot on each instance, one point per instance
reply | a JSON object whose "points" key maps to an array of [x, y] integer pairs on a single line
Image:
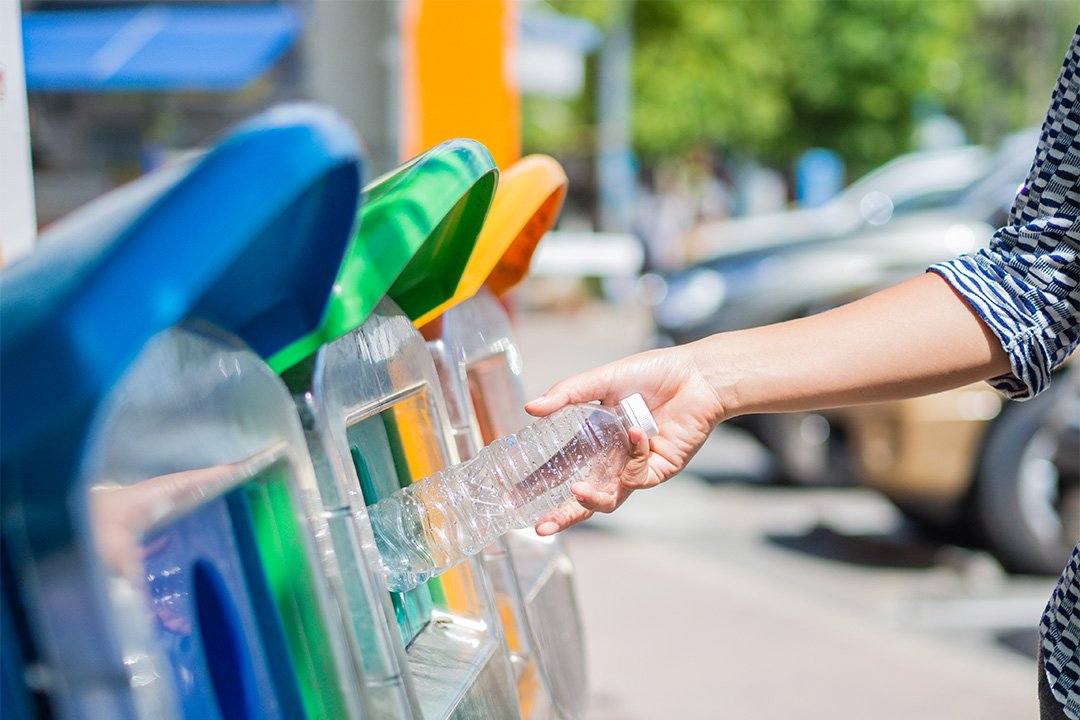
{"points": [[438, 522]]}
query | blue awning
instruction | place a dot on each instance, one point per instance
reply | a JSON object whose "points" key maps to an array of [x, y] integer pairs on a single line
{"points": [[155, 47]]}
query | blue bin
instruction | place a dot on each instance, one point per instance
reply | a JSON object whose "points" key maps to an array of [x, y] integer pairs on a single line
{"points": [[238, 248]]}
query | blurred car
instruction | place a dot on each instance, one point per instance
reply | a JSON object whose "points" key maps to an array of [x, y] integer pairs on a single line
{"points": [[780, 278], [912, 182], [763, 286], [965, 462]]}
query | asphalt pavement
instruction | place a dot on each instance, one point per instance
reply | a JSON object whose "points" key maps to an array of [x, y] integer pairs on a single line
{"points": [[728, 597]]}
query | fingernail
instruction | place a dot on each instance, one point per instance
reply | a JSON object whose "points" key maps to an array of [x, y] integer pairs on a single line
{"points": [[540, 399], [547, 528]]}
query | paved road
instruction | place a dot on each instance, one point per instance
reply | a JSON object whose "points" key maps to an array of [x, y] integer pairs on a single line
{"points": [[735, 599]]}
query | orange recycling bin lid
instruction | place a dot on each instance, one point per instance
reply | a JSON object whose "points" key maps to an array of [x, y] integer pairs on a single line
{"points": [[526, 205]]}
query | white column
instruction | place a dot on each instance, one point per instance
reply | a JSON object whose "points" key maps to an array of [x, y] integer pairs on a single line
{"points": [[18, 222], [351, 60]]}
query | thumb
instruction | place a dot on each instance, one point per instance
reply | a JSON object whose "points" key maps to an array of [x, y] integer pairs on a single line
{"points": [[636, 474]]}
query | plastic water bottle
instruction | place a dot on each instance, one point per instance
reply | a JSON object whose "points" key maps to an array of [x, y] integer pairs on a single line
{"points": [[436, 523]]}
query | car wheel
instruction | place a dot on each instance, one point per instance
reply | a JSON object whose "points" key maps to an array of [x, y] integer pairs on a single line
{"points": [[1027, 492], [808, 448]]}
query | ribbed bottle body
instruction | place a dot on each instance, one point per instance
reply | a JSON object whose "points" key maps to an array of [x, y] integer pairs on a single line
{"points": [[438, 522]]}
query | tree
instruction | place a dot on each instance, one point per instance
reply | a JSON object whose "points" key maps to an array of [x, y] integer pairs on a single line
{"points": [[772, 78]]}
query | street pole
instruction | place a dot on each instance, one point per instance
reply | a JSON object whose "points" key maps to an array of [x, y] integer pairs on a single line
{"points": [[615, 171], [18, 221], [351, 62]]}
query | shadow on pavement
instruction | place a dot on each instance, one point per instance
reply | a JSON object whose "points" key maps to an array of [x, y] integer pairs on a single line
{"points": [[894, 550], [1024, 641]]}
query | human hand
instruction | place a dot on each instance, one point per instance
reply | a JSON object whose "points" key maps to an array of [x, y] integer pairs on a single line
{"points": [[683, 403]]}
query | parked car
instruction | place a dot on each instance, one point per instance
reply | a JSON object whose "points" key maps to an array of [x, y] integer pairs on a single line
{"points": [[965, 462], [775, 284], [779, 278]]}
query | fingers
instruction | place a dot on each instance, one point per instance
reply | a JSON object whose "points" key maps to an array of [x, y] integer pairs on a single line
{"points": [[590, 500], [595, 500], [635, 474], [561, 519], [586, 387]]}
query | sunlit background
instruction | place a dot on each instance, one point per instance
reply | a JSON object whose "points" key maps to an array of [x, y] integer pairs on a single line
{"points": [[731, 163]]}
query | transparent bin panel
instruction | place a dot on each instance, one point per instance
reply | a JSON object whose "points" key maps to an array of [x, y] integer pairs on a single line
{"points": [[486, 392], [196, 474], [496, 557], [375, 397], [362, 599]]}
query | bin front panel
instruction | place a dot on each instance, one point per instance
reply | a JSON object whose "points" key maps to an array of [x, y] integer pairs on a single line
{"points": [[478, 333], [196, 470], [377, 454], [204, 618], [532, 695], [361, 599], [379, 391]]}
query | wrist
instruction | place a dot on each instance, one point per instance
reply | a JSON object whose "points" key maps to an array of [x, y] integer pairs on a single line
{"points": [[717, 365]]}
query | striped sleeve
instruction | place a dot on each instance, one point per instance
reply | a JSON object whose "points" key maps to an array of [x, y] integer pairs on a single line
{"points": [[1026, 285]]}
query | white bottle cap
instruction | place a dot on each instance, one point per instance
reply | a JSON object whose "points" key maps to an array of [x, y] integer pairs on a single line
{"points": [[637, 412]]}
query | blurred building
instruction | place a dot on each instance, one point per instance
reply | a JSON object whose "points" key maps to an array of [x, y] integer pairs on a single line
{"points": [[117, 88]]}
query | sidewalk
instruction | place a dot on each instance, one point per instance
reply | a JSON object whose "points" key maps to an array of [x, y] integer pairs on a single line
{"points": [[672, 634]]}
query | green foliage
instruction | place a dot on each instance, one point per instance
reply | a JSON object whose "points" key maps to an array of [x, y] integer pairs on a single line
{"points": [[771, 78]]}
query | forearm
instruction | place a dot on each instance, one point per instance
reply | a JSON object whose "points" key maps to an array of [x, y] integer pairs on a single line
{"points": [[916, 338]]}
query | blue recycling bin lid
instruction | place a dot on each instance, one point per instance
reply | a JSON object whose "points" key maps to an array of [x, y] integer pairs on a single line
{"points": [[248, 236]]}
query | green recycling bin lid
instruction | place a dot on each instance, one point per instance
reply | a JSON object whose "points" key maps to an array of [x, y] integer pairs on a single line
{"points": [[415, 232]]}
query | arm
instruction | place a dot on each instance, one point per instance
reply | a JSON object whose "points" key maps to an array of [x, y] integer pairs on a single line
{"points": [[915, 338], [1009, 313]]}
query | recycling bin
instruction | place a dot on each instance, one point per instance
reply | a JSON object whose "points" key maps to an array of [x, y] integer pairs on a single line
{"points": [[374, 417], [479, 365], [157, 551]]}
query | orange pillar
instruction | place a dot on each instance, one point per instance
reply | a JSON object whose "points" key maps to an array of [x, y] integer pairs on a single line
{"points": [[457, 76]]}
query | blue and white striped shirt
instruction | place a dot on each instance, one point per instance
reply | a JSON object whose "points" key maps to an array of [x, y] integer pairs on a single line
{"points": [[1026, 288]]}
